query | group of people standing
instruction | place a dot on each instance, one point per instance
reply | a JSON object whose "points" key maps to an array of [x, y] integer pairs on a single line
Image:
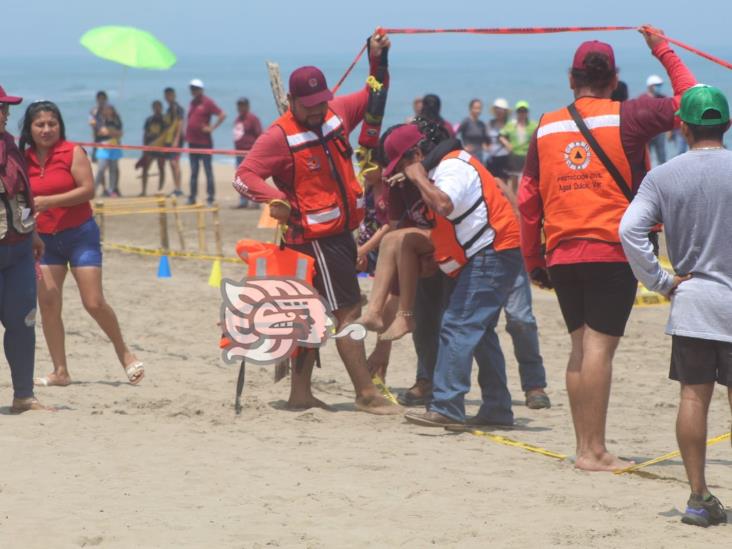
{"points": [[442, 236], [170, 127]]}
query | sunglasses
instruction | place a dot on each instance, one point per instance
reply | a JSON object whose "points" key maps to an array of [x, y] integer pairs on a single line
{"points": [[4, 108]]}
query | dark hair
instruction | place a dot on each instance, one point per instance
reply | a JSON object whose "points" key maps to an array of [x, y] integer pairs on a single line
{"points": [[431, 105], [242, 101], [708, 133], [102, 93], [168, 90], [597, 75], [157, 102], [473, 102], [33, 110]]}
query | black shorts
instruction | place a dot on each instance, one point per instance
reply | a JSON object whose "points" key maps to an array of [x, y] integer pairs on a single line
{"points": [[600, 295], [697, 361], [335, 277]]}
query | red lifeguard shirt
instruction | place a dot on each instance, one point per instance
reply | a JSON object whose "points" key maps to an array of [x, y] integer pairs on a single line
{"points": [[55, 178]]}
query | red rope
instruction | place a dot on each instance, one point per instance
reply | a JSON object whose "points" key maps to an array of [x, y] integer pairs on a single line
{"points": [[506, 30], [349, 69], [533, 30], [692, 49], [151, 148]]}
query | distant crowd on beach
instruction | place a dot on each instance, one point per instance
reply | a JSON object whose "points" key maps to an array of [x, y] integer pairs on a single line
{"points": [[170, 126]]}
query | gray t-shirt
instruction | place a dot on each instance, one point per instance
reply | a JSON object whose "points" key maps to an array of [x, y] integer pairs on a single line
{"points": [[692, 196]]}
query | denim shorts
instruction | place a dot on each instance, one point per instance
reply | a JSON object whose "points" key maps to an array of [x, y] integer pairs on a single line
{"points": [[79, 246]]}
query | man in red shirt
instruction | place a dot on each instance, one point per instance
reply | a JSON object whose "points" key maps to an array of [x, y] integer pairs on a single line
{"points": [[198, 135], [307, 154], [247, 129], [571, 196]]}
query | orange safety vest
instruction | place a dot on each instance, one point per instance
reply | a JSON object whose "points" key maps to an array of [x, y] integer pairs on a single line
{"points": [[266, 259], [581, 199], [327, 197], [450, 253]]}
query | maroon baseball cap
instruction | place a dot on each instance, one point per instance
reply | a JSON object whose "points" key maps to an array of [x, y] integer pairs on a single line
{"points": [[399, 142], [12, 99], [592, 46], [309, 86]]}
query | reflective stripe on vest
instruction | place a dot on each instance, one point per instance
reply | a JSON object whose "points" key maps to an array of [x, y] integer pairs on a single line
{"points": [[328, 127], [268, 260], [451, 253], [581, 200], [593, 122]]}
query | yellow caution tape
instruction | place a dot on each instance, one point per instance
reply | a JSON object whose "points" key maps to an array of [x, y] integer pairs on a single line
{"points": [[666, 457], [500, 439], [170, 253], [381, 386]]}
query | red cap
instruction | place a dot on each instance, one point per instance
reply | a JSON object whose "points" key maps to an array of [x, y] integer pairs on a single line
{"points": [[399, 142], [592, 46], [5, 98], [309, 86]]}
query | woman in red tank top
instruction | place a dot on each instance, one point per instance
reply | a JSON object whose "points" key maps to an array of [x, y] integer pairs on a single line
{"points": [[60, 175]]}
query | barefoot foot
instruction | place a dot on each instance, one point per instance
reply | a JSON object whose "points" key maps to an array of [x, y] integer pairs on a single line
{"points": [[377, 405], [403, 324], [603, 462], [21, 405], [52, 380], [305, 403], [373, 323]]}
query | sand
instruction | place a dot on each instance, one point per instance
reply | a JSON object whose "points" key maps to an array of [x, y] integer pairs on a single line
{"points": [[168, 464]]}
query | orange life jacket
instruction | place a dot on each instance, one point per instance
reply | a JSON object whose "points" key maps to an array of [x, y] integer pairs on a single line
{"points": [[266, 259], [450, 253], [580, 197], [328, 198]]}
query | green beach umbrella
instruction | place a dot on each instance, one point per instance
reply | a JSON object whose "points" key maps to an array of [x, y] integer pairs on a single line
{"points": [[129, 46]]}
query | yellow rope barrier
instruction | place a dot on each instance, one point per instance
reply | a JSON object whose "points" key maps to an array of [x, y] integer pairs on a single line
{"points": [[182, 210], [172, 253]]}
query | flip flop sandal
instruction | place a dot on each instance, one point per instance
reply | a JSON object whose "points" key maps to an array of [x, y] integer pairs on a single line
{"points": [[135, 372]]}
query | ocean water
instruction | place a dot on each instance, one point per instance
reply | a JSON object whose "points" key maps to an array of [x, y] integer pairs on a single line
{"points": [[503, 70]]}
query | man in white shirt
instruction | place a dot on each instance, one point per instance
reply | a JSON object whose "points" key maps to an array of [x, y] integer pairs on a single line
{"points": [[476, 239]]}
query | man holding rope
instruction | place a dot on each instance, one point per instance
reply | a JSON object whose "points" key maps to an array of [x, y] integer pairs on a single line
{"points": [[584, 164], [307, 154], [691, 194]]}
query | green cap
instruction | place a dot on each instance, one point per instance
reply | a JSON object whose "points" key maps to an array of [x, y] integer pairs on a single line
{"points": [[522, 105], [704, 105]]}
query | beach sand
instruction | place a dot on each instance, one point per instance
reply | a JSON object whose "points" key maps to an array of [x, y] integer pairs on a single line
{"points": [[168, 464]]}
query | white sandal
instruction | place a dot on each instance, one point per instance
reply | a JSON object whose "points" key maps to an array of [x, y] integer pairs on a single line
{"points": [[135, 372]]}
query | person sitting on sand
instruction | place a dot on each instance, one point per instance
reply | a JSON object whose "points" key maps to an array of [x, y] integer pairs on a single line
{"points": [[691, 195], [476, 243], [319, 198], [570, 198], [20, 247], [61, 178]]}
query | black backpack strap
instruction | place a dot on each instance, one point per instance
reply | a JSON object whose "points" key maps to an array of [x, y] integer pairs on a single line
{"points": [[609, 166]]}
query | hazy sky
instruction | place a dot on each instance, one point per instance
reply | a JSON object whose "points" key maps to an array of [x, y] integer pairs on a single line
{"points": [[271, 27]]}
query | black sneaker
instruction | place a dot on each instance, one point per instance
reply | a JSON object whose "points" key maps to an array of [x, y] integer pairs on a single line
{"points": [[701, 512]]}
